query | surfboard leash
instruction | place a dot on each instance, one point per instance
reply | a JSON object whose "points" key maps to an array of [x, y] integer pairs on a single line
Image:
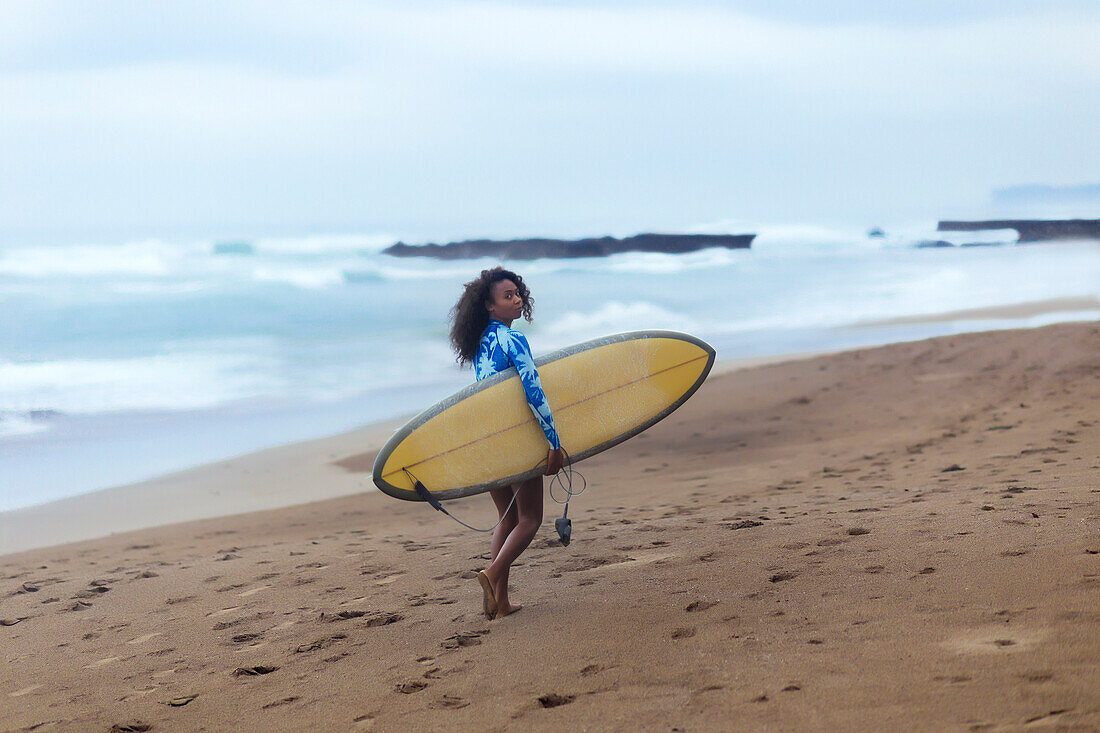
{"points": [[422, 491], [563, 478]]}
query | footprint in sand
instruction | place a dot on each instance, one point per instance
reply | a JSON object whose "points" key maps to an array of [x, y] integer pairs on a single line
{"points": [[467, 638], [383, 619], [696, 606], [283, 701], [408, 688], [227, 588], [259, 669], [222, 612], [347, 614], [259, 616], [131, 727], [183, 599], [320, 643], [90, 592]]}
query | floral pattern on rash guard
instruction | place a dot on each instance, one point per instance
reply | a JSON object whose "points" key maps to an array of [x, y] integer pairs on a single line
{"points": [[502, 347]]}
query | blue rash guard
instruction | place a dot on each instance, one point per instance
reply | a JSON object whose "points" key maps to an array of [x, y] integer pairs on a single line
{"points": [[502, 347]]}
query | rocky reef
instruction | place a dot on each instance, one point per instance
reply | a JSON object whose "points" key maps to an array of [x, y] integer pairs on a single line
{"points": [[531, 249], [1031, 230]]}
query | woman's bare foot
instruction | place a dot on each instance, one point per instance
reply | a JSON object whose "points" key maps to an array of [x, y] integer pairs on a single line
{"points": [[488, 601], [507, 610]]}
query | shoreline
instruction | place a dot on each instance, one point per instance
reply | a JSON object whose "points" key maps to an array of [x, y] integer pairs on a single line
{"points": [[1014, 311], [277, 477]]}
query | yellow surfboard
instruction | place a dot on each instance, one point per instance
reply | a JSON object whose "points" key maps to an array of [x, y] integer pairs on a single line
{"points": [[600, 392]]}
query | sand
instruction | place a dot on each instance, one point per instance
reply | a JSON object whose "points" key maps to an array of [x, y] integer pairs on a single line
{"points": [[903, 537], [1081, 305]]}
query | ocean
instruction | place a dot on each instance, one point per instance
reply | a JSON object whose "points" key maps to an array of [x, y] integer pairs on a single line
{"points": [[123, 361]]}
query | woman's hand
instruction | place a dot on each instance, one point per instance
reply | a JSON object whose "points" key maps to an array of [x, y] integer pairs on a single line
{"points": [[554, 461]]}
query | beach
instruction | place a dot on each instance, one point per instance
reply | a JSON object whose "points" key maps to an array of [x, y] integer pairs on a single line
{"points": [[905, 536]]}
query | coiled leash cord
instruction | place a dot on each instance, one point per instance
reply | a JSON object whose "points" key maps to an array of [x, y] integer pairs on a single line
{"points": [[564, 478]]}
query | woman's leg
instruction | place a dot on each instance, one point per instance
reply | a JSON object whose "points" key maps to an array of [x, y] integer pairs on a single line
{"points": [[528, 509], [502, 497]]}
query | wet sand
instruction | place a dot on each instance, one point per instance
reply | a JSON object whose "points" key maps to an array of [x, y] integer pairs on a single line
{"points": [[906, 537], [1029, 309]]}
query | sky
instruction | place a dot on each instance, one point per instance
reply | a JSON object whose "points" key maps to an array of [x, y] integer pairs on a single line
{"points": [[450, 120]]}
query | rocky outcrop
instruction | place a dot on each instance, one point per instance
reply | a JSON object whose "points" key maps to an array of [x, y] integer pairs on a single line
{"points": [[531, 249], [1031, 230]]}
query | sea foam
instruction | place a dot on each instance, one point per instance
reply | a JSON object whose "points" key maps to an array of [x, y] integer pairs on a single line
{"points": [[610, 318], [168, 381], [147, 259]]}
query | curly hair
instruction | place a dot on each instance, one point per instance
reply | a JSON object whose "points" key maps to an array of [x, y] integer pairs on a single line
{"points": [[470, 315]]}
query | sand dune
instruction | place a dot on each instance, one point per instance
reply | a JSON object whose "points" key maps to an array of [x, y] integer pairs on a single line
{"points": [[905, 537]]}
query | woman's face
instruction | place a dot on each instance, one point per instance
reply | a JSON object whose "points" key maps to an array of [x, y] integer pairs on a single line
{"points": [[506, 304]]}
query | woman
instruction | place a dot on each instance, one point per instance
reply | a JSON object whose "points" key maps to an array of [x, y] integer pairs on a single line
{"points": [[482, 335]]}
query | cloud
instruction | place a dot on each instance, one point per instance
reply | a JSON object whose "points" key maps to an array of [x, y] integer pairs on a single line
{"points": [[710, 41], [488, 109], [212, 65], [38, 35]]}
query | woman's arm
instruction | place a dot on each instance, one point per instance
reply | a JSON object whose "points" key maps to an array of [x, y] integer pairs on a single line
{"points": [[519, 352]]}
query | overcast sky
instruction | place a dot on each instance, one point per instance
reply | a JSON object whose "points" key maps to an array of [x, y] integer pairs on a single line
{"points": [[457, 119]]}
